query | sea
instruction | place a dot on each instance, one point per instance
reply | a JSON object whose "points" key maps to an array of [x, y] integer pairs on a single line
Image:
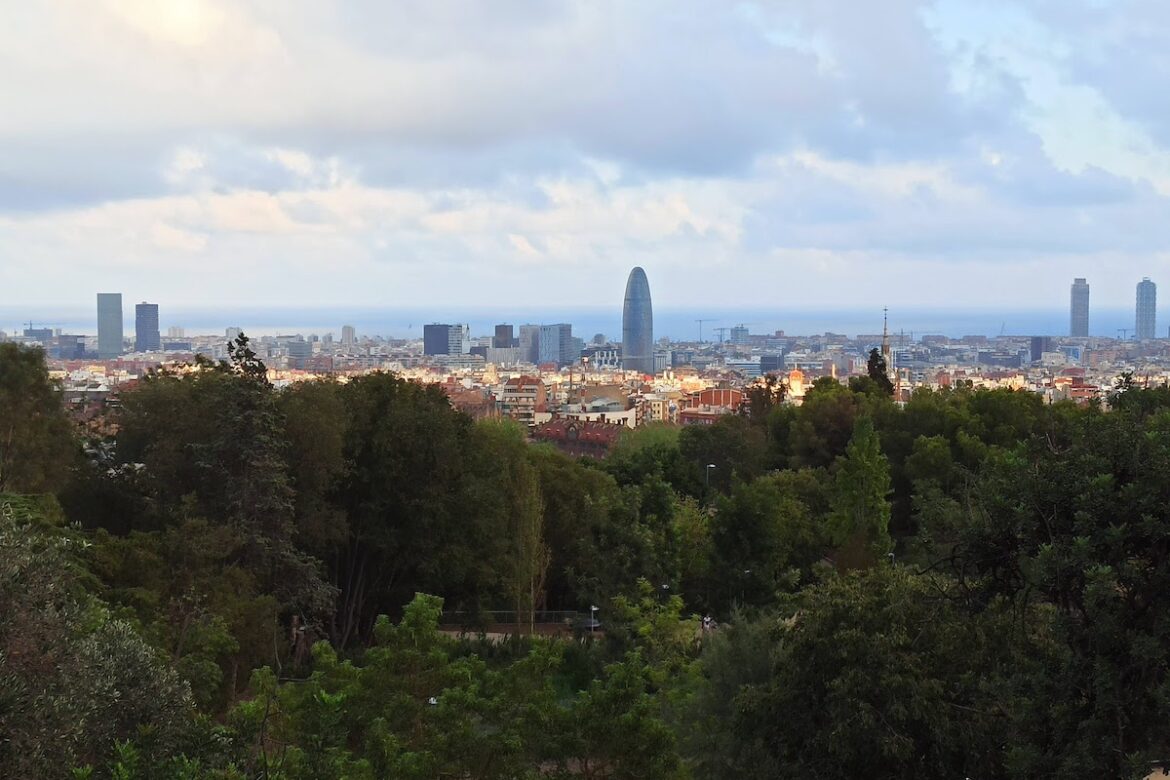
{"points": [[676, 324]]}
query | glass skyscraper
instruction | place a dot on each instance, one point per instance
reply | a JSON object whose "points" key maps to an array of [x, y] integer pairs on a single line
{"points": [[1079, 310], [146, 334], [109, 316], [1147, 307], [638, 325], [555, 344]]}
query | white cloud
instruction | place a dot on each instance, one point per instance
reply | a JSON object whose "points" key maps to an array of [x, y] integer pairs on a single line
{"points": [[752, 154]]}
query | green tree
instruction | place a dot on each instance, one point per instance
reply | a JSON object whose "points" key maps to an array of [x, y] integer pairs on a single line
{"points": [[37, 447], [764, 536], [861, 487], [405, 452], [1078, 522], [653, 450], [315, 426], [73, 680], [734, 446], [820, 430], [873, 674], [877, 370]]}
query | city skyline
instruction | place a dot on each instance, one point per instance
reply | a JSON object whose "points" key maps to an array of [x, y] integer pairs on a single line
{"points": [[1023, 144]]}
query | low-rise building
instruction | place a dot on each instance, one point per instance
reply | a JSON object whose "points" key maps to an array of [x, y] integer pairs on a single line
{"points": [[522, 398], [580, 437]]}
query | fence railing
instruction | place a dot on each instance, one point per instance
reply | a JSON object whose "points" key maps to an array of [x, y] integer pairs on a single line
{"points": [[486, 618]]}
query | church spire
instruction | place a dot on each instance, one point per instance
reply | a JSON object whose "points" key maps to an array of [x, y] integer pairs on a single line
{"points": [[886, 336], [887, 352]]}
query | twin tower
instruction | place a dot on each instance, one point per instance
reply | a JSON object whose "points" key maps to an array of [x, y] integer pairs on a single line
{"points": [[638, 325]]}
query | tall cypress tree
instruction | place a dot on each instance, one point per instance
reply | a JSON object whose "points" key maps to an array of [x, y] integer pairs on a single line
{"points": [[860, 517]]}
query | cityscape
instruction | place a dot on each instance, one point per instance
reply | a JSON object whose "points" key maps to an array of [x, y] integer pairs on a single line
{"points": [[541, 373], [584, 390]]}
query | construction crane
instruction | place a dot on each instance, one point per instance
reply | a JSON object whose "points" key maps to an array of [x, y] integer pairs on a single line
{"points": [[1124, 333], [721, 331], [701, 328]]}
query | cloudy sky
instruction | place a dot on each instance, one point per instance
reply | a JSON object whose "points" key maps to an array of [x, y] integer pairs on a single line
{"points": [[799, 153]]}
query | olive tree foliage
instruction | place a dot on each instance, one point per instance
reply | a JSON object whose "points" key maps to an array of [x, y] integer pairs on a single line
{"points": [[73, 680]]}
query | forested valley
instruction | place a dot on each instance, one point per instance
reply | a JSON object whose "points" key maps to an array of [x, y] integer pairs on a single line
{"points": [[220, 579]]}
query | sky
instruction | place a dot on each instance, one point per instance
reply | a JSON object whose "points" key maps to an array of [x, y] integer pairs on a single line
{"points": [[780, 155]]}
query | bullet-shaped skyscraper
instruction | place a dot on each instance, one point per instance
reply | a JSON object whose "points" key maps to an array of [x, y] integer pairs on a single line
{"points": [[638, 325], [1147, 306], [1079, 314]]}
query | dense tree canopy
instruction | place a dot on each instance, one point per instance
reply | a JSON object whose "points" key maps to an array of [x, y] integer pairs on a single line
{"points": [[970, 583]]}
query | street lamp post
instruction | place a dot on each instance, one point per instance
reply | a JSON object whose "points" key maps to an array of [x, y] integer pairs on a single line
{"points": [[592, 619], [707, 475]]}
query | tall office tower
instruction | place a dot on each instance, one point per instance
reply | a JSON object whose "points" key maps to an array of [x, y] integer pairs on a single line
{"points": [[529, 343], [638, 325], [1038, 346], [556, 344], [146, 336], [459, 340], [740, 334], [1079, 317], [436, 339], [348, 335], [1147, 306], [232, 333], [299, 353], [503, 337], [175, 332], [109, 311]]}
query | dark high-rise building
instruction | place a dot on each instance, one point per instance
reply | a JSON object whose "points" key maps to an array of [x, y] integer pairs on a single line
{"points": [[146, 335], [638, 325], [69, 347], [1079, 309], [109, 316], [771, 364], [440, 339], [1038, 346], [436, 339], [1147, 306], [503, 338]]}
